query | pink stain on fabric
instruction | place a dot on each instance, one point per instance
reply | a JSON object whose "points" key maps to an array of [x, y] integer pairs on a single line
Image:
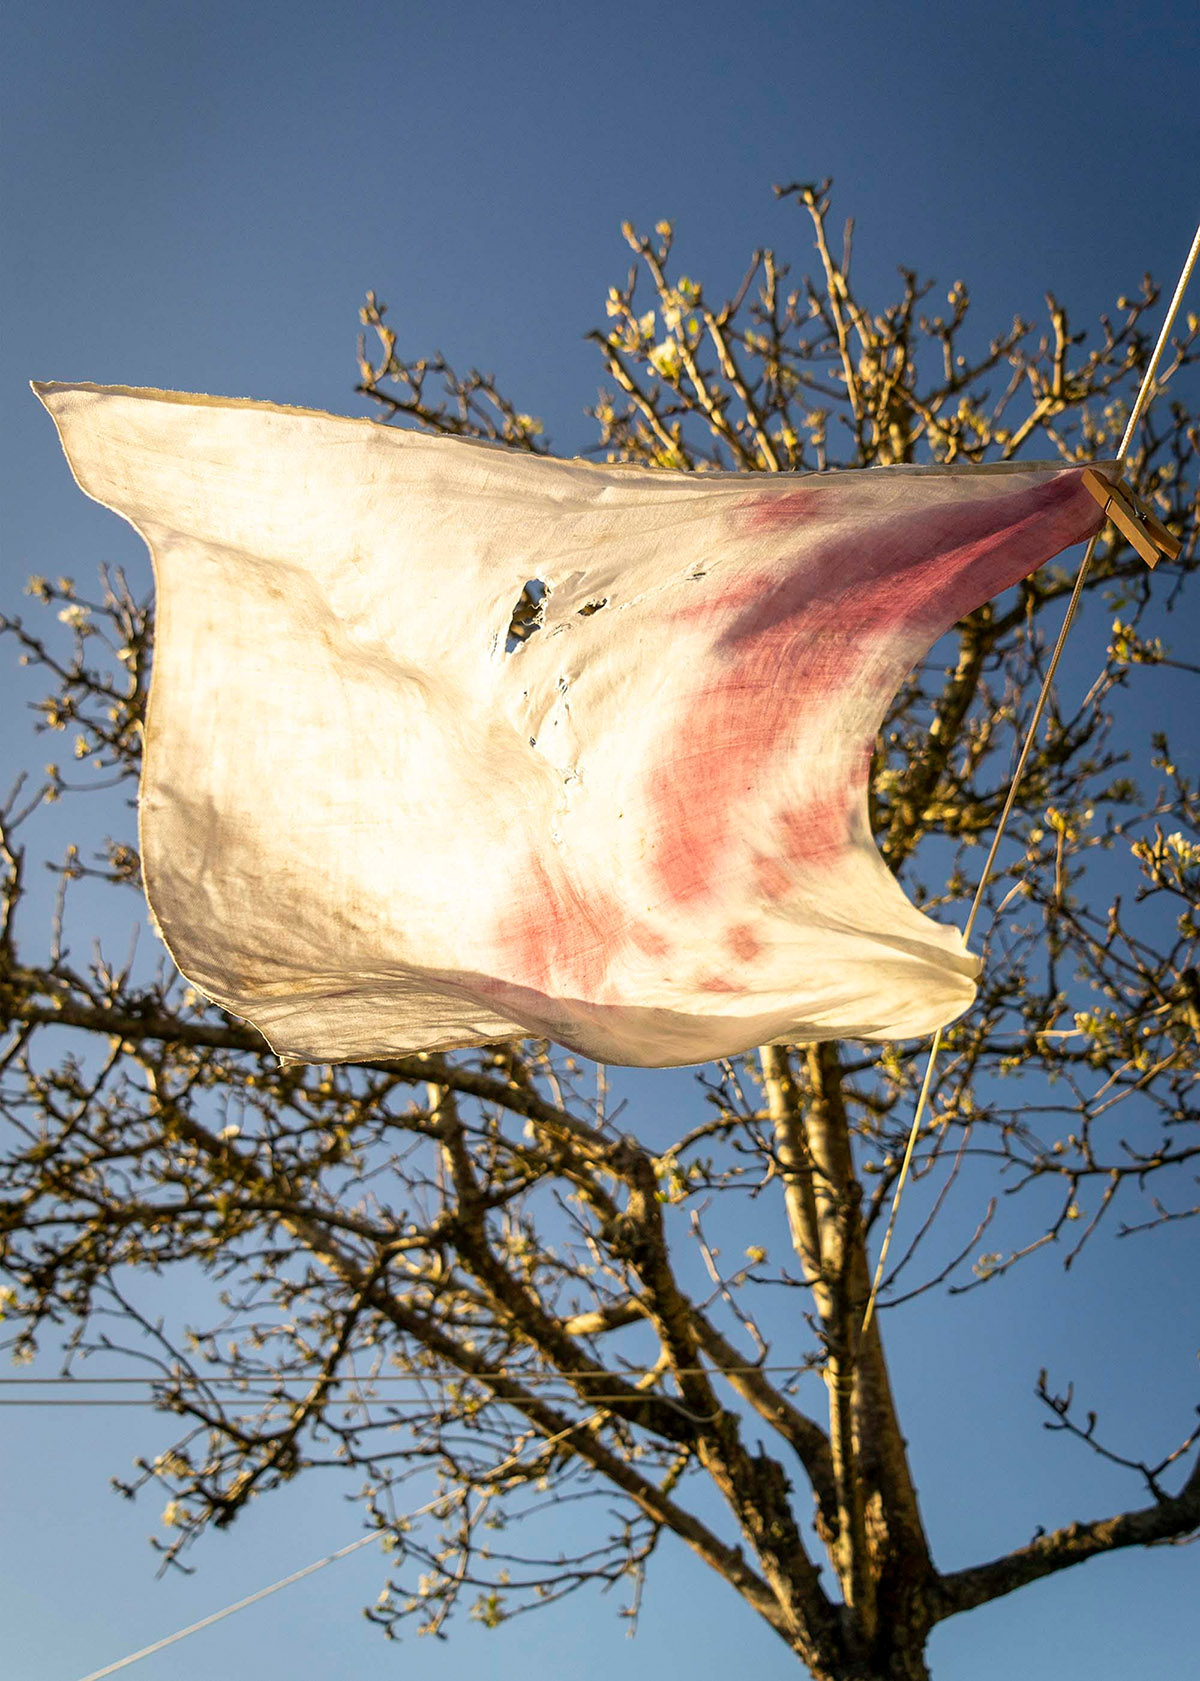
{"points": [[791, 639], [786, 643], [743, 943], [559, 937], [647, 940]]}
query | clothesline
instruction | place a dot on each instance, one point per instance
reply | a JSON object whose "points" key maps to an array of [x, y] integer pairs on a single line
{"points": [[1143, 398], [629, 1373], [220, 1389], [643, 1395], [412, 1409], [541, 1444]]}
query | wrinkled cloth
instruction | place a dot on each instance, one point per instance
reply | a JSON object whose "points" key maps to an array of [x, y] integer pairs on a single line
{"points": [[371, 825]]}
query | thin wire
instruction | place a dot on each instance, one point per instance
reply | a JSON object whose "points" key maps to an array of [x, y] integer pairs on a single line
{"points": [[308, 1570], [1135, 416], [527, 1378], [218, 1616], [414, 1409], [415, 1406]]}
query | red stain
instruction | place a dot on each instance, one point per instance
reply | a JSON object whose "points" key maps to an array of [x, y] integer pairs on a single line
{"points": [[772, 878], [784, 643], [793, 508], [788, 640], [743, 943], [816, 833], [559, 937], [649, 942]]}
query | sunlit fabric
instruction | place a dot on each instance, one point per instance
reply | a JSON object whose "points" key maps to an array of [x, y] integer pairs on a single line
{"points": [[371, 823]]}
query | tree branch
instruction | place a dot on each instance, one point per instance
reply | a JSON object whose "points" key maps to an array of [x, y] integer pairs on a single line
{"points": [[1171, 1519]]}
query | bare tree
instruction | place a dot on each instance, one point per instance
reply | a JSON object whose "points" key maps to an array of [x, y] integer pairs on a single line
{"points": [[480, 1235]]}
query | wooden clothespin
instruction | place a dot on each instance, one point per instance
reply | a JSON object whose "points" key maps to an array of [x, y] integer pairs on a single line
{"points": [[1132, 518]]}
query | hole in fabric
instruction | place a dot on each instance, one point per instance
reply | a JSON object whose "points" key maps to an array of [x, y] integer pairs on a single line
{"points": [[590, 607], [526, 614]]}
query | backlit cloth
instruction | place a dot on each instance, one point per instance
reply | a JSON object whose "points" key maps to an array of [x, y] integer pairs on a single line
{"points": [[369, 826]]}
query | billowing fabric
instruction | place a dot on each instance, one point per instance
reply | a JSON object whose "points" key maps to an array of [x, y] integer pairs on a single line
{"points": [[369, 828]]}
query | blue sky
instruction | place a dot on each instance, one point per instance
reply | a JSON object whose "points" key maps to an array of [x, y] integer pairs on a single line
{"points": [[198, 196]]}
